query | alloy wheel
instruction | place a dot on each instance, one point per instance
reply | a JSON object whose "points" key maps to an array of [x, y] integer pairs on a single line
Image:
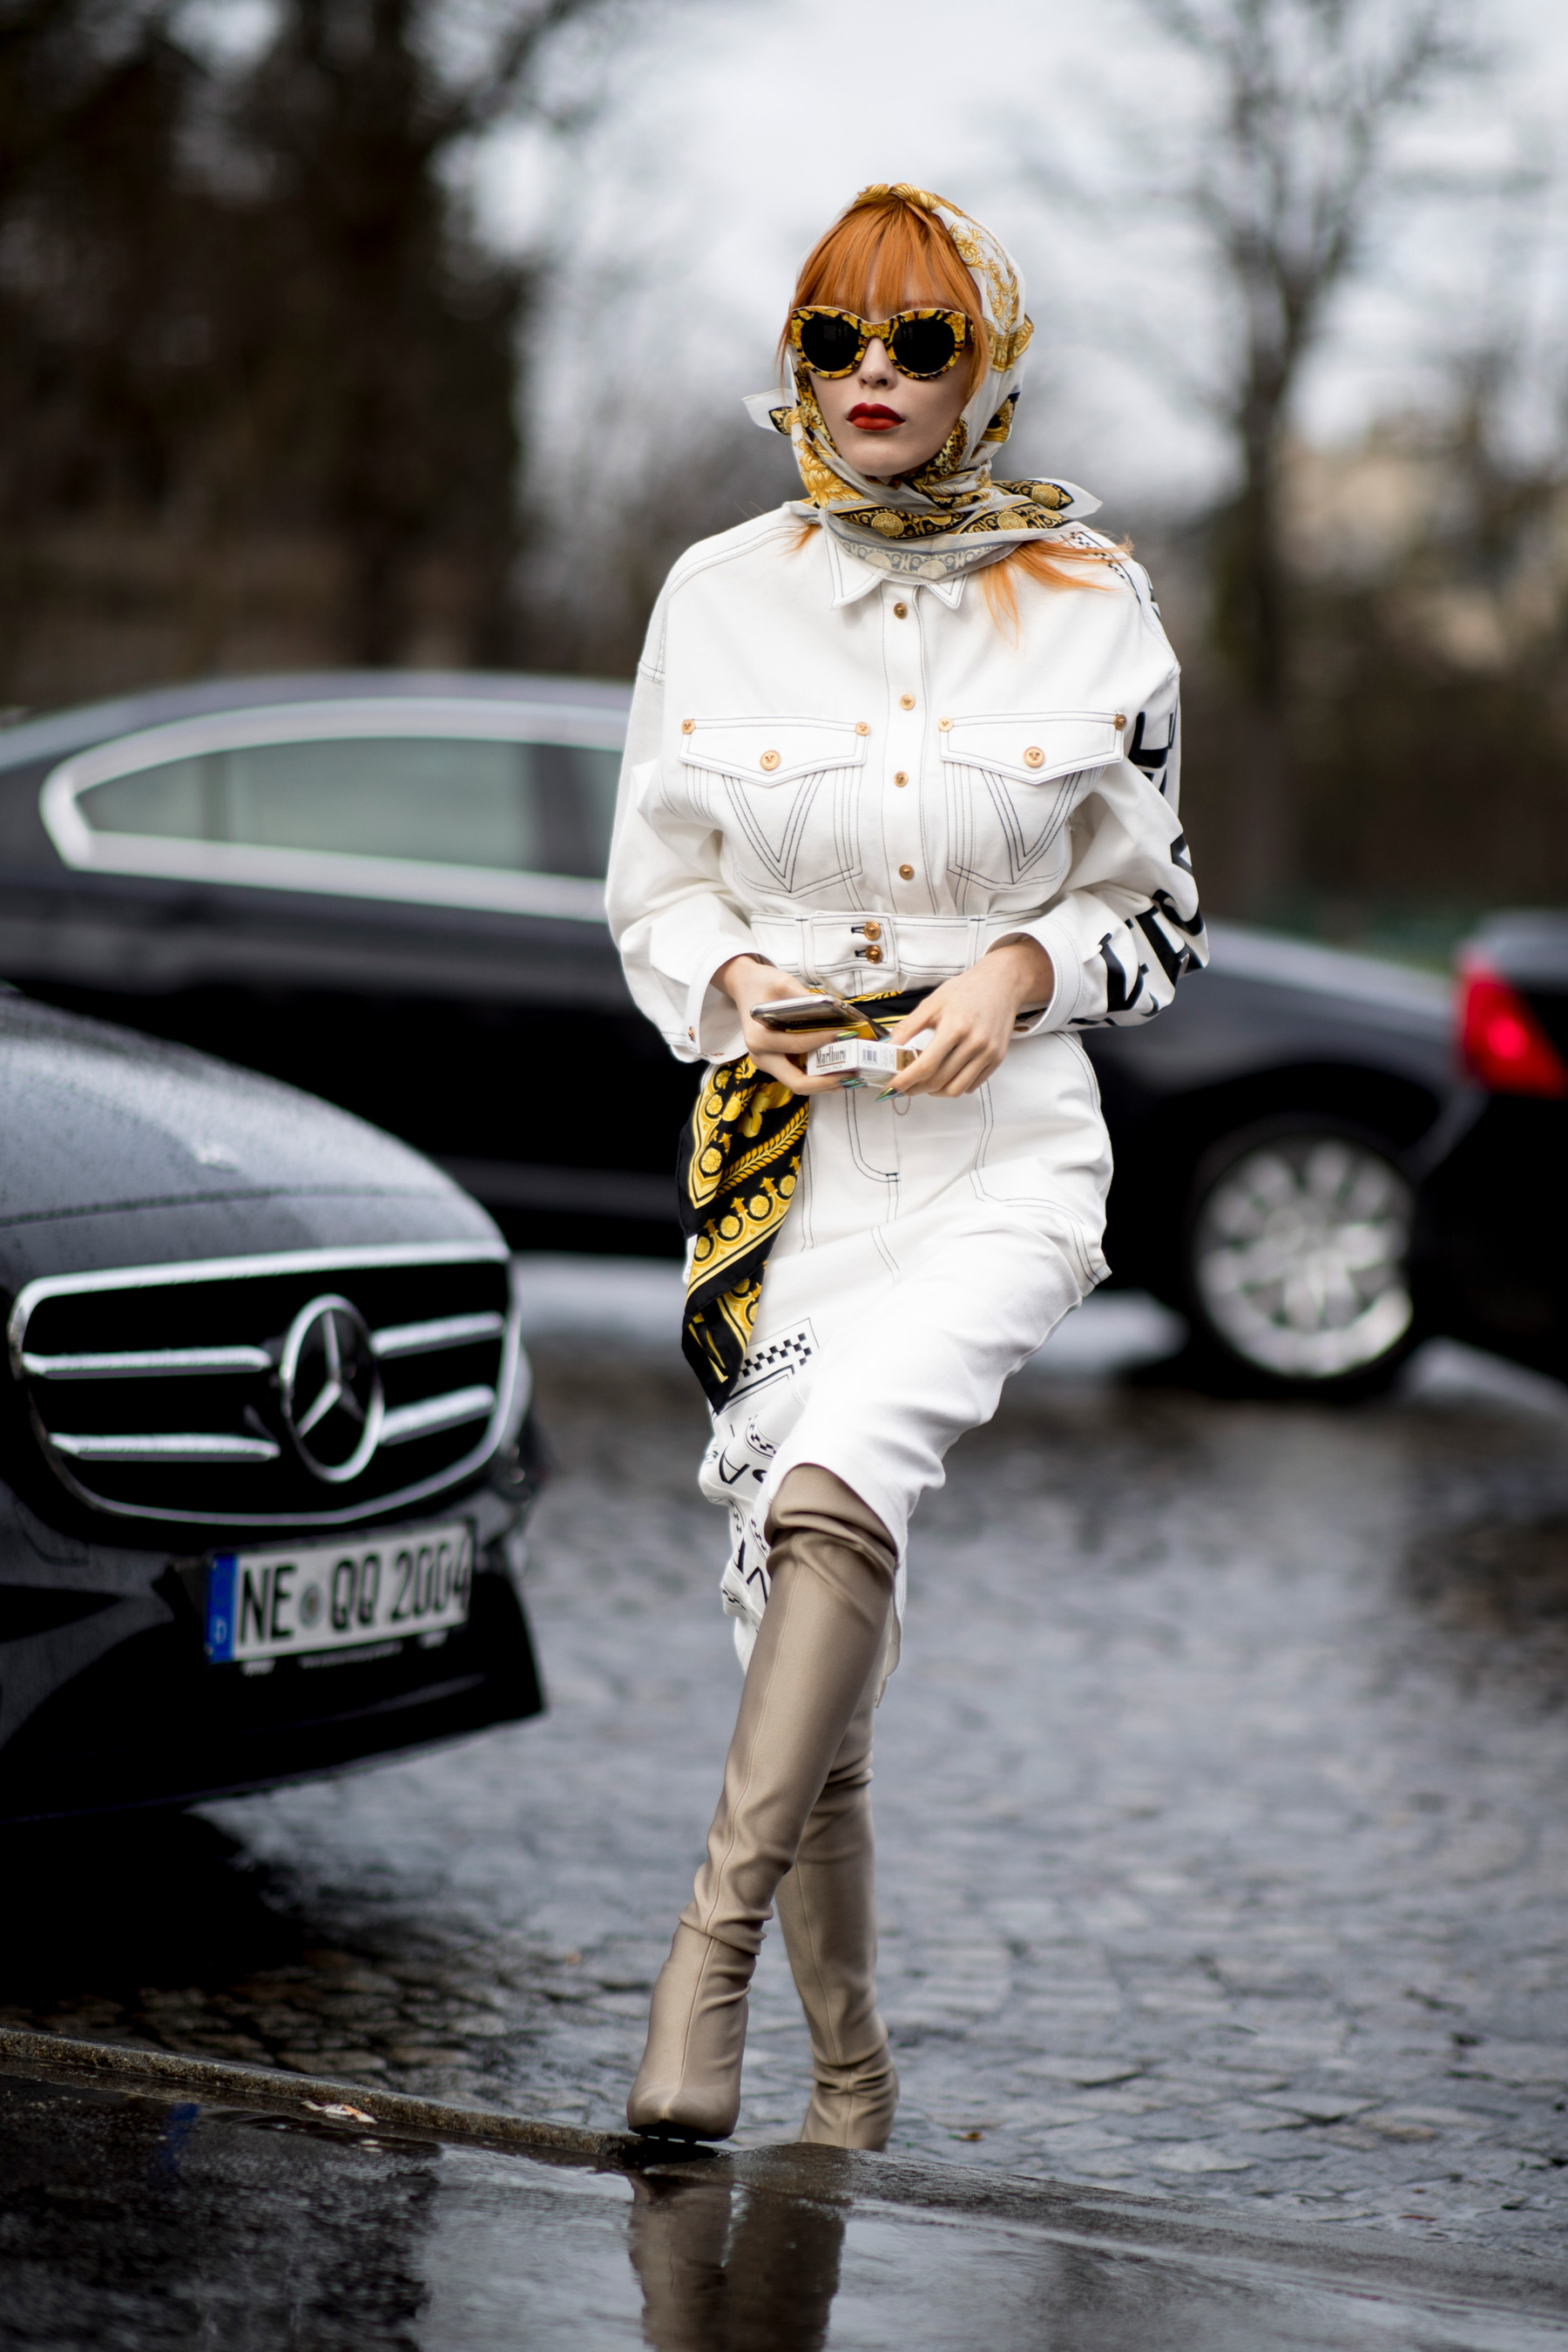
{"points": [[1299, 1255]]}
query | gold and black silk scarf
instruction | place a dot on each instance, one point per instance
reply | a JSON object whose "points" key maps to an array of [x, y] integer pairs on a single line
{"points": [[739, 1159], [950, 514]]}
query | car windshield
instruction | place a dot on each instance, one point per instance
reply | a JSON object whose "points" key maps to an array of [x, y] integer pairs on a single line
{"points": [[540, 808]]}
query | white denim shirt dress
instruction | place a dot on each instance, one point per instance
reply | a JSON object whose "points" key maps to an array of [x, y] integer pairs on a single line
{"points": [[870, 782]]}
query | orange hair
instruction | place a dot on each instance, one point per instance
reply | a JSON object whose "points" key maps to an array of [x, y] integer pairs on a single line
{"points": [[886, 254], [1055, 563]]}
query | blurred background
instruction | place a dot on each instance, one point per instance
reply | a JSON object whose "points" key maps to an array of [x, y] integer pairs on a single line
{"points": [[344, 332]]}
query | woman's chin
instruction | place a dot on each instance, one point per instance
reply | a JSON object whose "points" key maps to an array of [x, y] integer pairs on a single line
{"points": [[871, 455]]}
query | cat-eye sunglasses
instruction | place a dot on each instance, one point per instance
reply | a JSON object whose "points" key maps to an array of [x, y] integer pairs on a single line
{"points": [[921, 343]]}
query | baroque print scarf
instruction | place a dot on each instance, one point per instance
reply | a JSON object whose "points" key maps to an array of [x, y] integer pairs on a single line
{"points": [[951, 515], [740, 1158]]}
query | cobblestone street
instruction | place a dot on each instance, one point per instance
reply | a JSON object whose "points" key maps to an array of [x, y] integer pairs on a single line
{"points": [[1219, 1795]]}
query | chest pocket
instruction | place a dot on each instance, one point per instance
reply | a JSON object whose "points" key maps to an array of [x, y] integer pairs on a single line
{"points": [[1012, 784], [785, 792]]}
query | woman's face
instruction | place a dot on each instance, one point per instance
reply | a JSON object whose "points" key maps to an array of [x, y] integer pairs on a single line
{"points": [[883, 423]]}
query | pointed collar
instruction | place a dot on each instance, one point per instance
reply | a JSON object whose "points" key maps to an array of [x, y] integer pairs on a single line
{"points": [[852, 578]]}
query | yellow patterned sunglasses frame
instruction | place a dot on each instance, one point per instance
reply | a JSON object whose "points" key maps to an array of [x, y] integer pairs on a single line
{"points": [[887, 332]]}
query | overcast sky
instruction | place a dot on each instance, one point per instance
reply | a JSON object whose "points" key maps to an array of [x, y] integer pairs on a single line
{"points": [[733, 131]]}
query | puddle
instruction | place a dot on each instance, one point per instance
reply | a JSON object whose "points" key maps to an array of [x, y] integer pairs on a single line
{"points": [[141, 2220]]}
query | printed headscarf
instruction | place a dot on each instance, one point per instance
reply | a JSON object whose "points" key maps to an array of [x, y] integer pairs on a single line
{"points": [[951, 515]]}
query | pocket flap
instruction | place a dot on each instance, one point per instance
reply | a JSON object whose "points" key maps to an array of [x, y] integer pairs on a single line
{"points": [[771, 751], [1034, 748]]}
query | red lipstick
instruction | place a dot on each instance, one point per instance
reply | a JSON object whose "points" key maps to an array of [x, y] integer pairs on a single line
{"points": [[871, 417]]}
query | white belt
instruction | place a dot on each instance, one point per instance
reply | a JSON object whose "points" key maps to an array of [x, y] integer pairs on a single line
{"points": [[875, 949]]}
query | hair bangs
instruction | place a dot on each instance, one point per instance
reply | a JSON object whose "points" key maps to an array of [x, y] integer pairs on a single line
{"points": [[886, 254]]}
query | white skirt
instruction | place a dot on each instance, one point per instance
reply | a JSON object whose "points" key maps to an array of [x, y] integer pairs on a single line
{"points": [[933, 1245]]}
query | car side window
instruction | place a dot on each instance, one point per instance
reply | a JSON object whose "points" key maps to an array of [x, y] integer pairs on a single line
{"points": [[514, 807]]}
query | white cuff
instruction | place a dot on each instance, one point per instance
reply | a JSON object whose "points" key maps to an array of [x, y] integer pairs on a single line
{"points": [[713, 1032], [1067, 972]]}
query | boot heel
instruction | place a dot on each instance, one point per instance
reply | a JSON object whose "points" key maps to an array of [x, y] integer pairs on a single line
{"points": [[855, 2110]]}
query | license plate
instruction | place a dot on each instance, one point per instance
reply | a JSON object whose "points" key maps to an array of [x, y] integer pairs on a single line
{"points": [[323, 1597]]}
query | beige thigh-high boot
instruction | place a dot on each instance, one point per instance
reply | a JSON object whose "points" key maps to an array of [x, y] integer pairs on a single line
{"points": [[827, 1910], [822, 1637]]}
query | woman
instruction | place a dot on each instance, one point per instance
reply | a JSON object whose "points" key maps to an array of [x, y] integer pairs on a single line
{"points": [[911, 739]]}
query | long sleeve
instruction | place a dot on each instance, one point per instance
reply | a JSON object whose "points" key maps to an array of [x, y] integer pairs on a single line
{"points": [[1128, 923], [672, 917]]}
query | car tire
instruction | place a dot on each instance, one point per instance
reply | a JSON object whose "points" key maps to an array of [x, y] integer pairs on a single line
{"points": [[1296, 1258]]}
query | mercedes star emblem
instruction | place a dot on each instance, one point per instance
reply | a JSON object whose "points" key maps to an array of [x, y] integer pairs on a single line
{"points": [[330, 1386]]}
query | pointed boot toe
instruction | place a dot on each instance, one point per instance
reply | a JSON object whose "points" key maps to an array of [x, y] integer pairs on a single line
{"points": [[689, 2084]]}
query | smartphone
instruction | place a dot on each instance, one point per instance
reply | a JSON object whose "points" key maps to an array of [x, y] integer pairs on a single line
{"points": [[792, 1013]]}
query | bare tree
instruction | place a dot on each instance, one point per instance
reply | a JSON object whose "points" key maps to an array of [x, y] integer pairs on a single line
{"points": [[390, 342], [1308, 95], [245, 321]]}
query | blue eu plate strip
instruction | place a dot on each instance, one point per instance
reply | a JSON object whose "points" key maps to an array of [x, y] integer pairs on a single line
{"points": [[220, 1608]]}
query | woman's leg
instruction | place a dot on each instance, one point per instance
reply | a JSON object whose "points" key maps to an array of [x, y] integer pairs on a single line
{"points": [[827, 1910], [832, 1572]]}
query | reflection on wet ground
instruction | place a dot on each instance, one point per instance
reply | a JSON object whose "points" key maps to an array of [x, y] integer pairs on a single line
{"points": [[1219, 1797], [718, 2268], [138, 2222]]}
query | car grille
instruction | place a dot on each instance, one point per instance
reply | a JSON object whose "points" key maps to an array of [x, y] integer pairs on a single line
{"points": [[312, 1389]]}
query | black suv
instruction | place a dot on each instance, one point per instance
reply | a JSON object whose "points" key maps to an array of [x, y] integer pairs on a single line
{"points": [[264, 1438]]}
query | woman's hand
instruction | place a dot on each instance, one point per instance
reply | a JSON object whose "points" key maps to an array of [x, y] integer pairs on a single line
{"points": [[971, 1019], [747, 982]]}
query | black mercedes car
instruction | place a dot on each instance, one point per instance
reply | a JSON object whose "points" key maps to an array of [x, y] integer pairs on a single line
{"points": [[264, 1437], [385, 888]]}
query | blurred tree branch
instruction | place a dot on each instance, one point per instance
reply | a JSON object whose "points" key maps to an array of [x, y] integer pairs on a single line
{"points": [[505, 85], [1307, 97]]}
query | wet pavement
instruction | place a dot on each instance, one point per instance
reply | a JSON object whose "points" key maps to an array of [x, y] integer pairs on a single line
{"points": [[141, 2215], [1222, 1844]]}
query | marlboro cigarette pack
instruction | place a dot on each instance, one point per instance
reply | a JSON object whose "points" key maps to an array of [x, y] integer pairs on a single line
{"points": [[858, 1058]]}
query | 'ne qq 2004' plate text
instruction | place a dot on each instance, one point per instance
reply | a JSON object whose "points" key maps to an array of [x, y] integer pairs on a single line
{"points": [[323, 1597]]}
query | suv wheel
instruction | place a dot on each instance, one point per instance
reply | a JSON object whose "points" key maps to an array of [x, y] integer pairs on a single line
{"points": [[1295, 1256]]}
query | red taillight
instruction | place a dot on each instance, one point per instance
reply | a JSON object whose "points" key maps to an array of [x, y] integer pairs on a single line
{"points": [[1501, 1041]]}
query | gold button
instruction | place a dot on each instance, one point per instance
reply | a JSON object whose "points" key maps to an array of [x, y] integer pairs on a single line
{"points": [[944, 724], [691, 1032], [900, 777], [873, 955], [906, 702], [1119, 719], [687, 725], [872, 930], [900, 612], [1033, 758], [769, 760], [906, 873], [861, 728]]}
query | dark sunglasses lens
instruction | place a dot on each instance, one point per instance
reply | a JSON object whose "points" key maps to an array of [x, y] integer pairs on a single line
{"points": [[829, 344], [923, 346]]}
